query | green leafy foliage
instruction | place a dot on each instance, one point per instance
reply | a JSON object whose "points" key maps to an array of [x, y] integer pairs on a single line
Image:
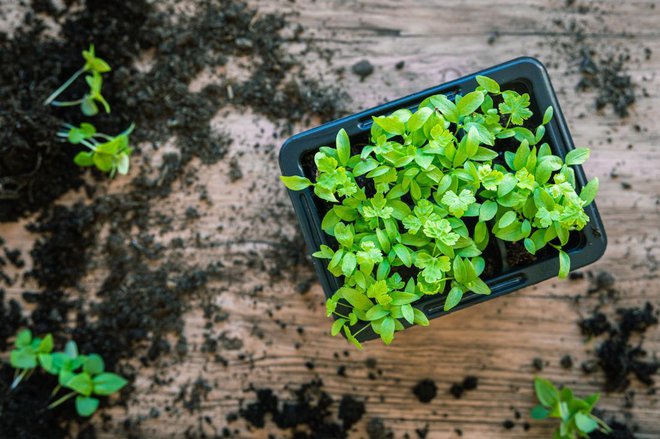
{"points": [[577, 421], [83, 375], [413, 210], [108, 154], [95, 67]]}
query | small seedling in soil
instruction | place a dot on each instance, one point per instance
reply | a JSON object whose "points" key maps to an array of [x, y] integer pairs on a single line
{"points": [[412, 211], [83, 375], [88, 103], [28, 354], [577, 421], [109, 154]]}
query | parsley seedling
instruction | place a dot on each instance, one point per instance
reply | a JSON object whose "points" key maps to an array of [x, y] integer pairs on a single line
{"points": [[432, 192], [109, 154], [83, 375], [577, 421], [95, 67]]}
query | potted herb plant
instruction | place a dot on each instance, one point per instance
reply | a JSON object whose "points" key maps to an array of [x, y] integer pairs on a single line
{"points": [[443, 199]]}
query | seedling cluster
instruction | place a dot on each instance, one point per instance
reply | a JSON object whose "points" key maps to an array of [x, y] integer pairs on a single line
{"points": [[413, 210], [577, 421], [108, 154], [95, 67], [83, 375]]}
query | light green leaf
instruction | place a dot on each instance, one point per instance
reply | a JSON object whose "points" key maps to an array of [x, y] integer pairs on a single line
{"points": [[577, 156], [547, 116], [336, 326], [585, 423], [469, 103], [546, 392], [487, 211], [357, 299], [589, 191], [420, 318], [377, 312], [81, 383], [387, 330], [404, 254], [507, 219], [390, 124], [453, 298], [564, 264], [418, 119], [489, 84], [295, 182], [343, 147]]}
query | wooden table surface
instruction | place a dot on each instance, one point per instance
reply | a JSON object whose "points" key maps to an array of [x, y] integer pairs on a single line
{"points": [[495, 341]]}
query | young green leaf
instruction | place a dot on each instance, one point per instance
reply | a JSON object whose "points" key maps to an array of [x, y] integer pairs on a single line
{"points": [[547, 116], [107, 383], [469, 103], [86, 405], [546, 392], [296, 182], [490, 85], [577, 156], [453, 298], [343, 147], [336, 326], [564, 264]]}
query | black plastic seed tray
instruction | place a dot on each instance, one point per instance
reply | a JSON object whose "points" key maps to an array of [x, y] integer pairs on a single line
{"points": [[523, 74]]}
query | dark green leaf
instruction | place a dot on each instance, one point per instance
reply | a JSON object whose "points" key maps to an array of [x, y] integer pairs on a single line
{"points": [[86, 405], [539, 412]]}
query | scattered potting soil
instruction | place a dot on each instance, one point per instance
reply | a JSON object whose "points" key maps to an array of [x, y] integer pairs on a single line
{"points": [[310, 414], [23, 412], [602, 68], [619, 356], [469, 383], [146, 286], [619, 431], [425, 390], [363, 69]]}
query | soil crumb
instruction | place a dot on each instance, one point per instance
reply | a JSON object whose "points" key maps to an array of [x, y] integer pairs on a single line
{"points": [[425, 390]]}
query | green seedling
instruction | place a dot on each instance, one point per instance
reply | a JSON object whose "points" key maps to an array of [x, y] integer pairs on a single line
{"points": [[83, 375], [28, 354], [399, 205], [108, 154], [95, 67], [577, 421]]}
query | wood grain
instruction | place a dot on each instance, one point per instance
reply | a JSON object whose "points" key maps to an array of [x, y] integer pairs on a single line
{"points": [[495, 341]]}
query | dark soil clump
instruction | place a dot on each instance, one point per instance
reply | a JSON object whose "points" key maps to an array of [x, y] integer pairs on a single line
{"points": [[619, 356], [425, 391], [458, 389], [23, 413], [308, 415]]}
